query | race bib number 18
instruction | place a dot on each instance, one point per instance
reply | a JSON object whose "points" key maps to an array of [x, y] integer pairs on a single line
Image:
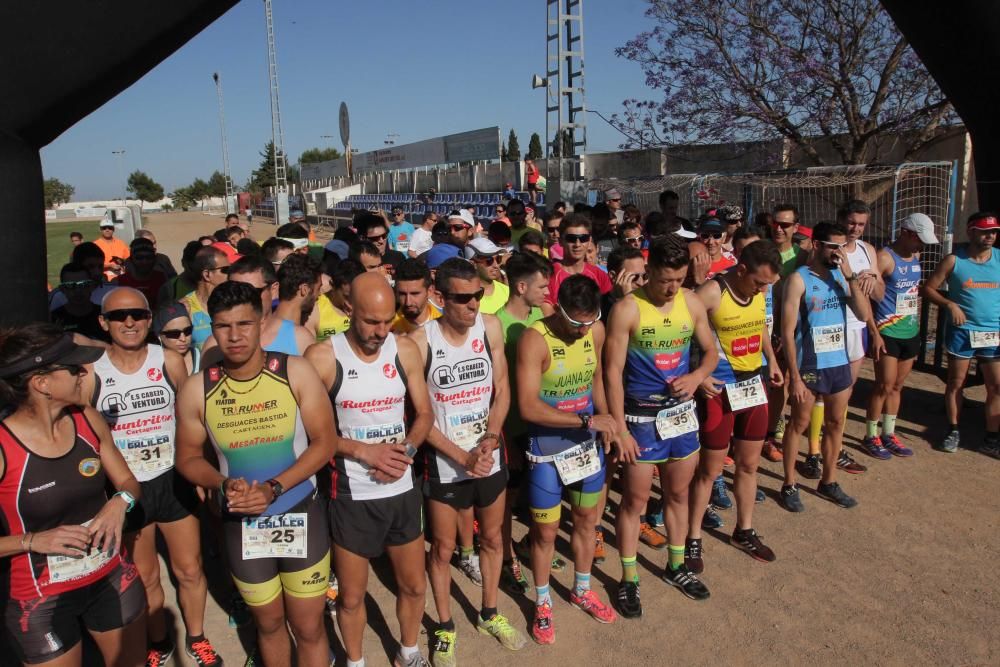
{"points": [[676, 421], [279, 536], [828, 339]]}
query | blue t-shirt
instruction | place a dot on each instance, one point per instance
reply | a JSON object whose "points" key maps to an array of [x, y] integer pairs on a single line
{"points": [[400, 236]]}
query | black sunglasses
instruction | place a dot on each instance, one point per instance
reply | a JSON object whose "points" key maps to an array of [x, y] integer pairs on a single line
{"points": [[457, 228], [76, 284], [377, 237], [223, 269], [488, 261], [552, 230], [72, 369], [177, 333], [577, 238], [712, 235], [122, 314], [464, 298]]}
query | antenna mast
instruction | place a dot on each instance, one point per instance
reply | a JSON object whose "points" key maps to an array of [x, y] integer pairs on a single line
{"points": [[277, 135], [230, 195]]}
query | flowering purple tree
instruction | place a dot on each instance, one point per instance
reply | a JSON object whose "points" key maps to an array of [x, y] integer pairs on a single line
{"points": [[808, 71]]}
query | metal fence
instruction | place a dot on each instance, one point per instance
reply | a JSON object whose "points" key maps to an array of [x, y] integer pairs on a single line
{"points": [[892, 192]]}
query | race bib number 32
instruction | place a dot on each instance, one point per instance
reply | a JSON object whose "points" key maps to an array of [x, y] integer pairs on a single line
{"points": [[676, 421], [577, 463], [279, 536], [828, 339]]}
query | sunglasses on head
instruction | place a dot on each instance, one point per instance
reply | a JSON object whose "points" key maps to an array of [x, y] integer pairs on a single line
{"points": [[122, 314], [577, 238], [712, 235], [577, 323], [463, 298], [177, 333], [76, 284], [377, 237]]}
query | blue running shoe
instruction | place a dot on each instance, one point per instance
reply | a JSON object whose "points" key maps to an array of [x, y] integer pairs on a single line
{"points": [[895, 445], [711, 519], [655, 519], [872, 445], [720, 499], [760, 497]]}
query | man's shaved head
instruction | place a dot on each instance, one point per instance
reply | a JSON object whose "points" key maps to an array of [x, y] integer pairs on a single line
{"points": [[373, 308]]}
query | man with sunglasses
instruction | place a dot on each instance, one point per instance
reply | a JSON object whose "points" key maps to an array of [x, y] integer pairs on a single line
{"points": [[651, 389], [79, 314], [400, 231], [814, 308], [376, 232], [212, 268], [712, 234], [627, 271], [575, 238], [135, 393], [550, 225], [422, 236], [518, 215], [383, 411], [460, 226], [560, 391], [485, 256], [973, 276], [464, 468], [501, 214]]}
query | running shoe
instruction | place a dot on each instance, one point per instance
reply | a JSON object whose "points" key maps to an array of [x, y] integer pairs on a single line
{"points": [[728, 461], [254, 659], [598, 546], [159, 658], [692, 555], [759, 497], [470, 568], [812, 467], [872, 445], [500, 629], [239, 612], [651, 538], [686, 582], [590, 603], [790, 500], [720, 499], [749, 541], [655, 519], [203, 654], [512, 579], [779, 429], [835, 494], [443, 648], [896, 446], [990, 447], [332, 591], [629, 605], [950, 442], [847, 463], [772, 450], [415, 660], [542, 630], [711, 519]]}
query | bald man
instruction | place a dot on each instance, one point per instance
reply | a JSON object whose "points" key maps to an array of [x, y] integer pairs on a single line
{"points": [[134, 392], [375, 505]]}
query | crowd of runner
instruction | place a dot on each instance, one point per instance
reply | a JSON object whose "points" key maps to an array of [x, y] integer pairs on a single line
{"points": [[408, 391]]}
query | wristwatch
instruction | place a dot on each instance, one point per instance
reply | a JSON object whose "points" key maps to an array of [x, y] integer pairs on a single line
{"points": [[585, 421], [128, 498], [276, 489]]}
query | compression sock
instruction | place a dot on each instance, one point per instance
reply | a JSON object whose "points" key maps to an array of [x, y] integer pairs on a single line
{"points": [[888, 424], [486, 613], [581, 582], [406, 652], [815, 427], [872, 427], [465, 553], [542, 595], [676, 557], [629, 570]]}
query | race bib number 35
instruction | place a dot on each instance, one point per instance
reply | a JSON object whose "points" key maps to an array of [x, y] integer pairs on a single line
{"points": [[465, 428], [746, 394], [279, 536], [578, 463], [828, 339], [676, 421], [980, 339]]}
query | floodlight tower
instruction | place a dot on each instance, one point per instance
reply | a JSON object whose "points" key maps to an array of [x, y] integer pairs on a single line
{"points": [[565, 106], [230, 195], [277, 135]]}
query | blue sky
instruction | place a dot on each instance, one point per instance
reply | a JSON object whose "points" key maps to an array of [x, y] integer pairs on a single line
{"points": [[418, 69]]}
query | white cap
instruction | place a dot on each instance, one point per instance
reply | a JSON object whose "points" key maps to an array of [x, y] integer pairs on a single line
{"points": [[685, 234], [481, 247], [464, 216], [922, 225]]}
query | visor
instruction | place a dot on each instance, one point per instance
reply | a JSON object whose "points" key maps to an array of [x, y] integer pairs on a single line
{"points": [[63, 351]]}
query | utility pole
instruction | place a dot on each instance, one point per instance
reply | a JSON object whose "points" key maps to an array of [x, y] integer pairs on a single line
{"points": [[230, 195], [280, 196]]}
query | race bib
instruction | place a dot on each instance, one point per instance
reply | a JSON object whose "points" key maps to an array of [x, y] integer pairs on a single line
{"points": [[676, 421], [828, 339], [578, 462], [984, 339], [66, 568], [769, 320], [278, 536], [377, 433], [907, 304], [465, 428], [402, 246], [149, 455], [746, 394]]}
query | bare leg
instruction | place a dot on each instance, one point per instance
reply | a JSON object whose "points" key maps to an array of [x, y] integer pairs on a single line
{"points": [[675, 491], [991, 376], [637, 479], [797, 425], [490, 551], [745, 480], [305, 616], [183, 540], [833, 432], [958, 369], [709, 467], [408, 565], [352, 576], [142, 545], [443, 529], [124, 647]]}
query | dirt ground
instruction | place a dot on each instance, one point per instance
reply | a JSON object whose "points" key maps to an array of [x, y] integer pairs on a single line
{"points": [[904, 578]]}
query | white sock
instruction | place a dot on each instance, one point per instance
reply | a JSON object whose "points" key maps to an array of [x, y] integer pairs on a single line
{"points": [[407, 651], [356, 663]]}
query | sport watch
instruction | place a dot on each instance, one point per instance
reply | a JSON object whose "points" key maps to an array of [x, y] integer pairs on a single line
{"points": [[585, 421], [276, 489], [128, 498]]}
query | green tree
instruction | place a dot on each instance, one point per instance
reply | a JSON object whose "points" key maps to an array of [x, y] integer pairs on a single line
{"points": [[143, 187], [504, 155], [534, 147], [513, 149], [319, 155], [263, 177], [183, 199], [57, 192], [217, 184]]}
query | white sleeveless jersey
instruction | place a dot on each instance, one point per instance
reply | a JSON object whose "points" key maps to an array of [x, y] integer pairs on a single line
{"points": [[860, 260], [460, 381], [139, 409], [369, 399]]}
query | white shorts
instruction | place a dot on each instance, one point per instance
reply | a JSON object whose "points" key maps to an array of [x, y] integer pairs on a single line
{"points": [[857, 344]]}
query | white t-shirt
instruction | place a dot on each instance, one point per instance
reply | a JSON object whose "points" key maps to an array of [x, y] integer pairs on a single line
{"points": [[421, 242]]}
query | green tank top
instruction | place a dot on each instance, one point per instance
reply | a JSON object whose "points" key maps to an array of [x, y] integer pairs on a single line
{"points": [[512, 330]]}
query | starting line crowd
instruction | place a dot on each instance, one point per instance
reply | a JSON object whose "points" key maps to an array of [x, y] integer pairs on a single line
{"points": [[323, 405]]}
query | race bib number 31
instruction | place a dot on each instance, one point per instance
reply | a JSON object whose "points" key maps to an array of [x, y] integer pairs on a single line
{"points": [[279, 536], [577, 463], [148, 456], [980, 339], [828, 339], [676, 421], [746, 394]]}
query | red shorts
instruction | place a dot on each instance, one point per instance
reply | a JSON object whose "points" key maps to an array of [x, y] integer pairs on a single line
{"points": [[719, 423]]}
